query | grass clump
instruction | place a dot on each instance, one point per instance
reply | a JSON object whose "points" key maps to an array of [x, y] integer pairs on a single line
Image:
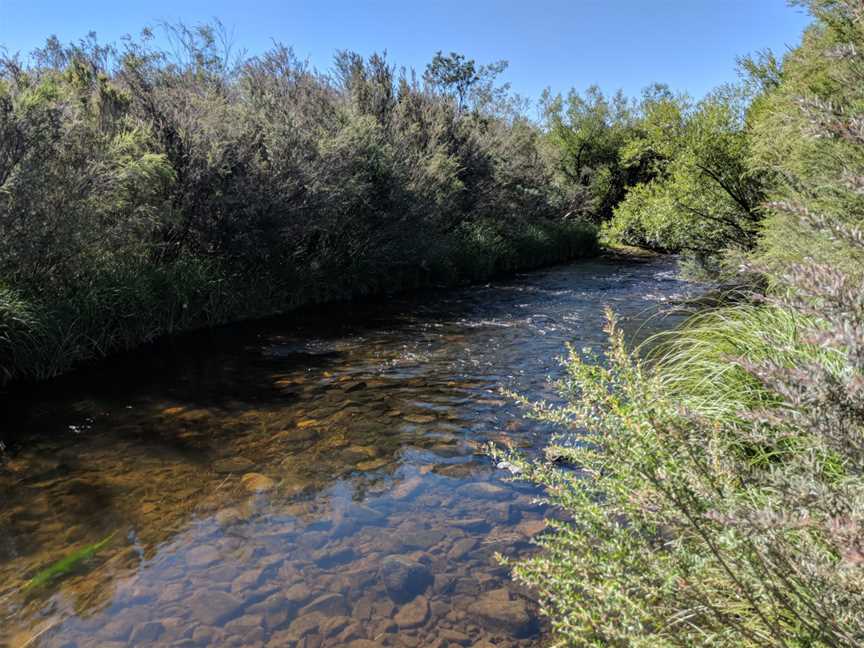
{"points": [[699, 365]]}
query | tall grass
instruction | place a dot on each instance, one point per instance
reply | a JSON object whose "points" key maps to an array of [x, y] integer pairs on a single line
{"points": [[700, 364], [20, 333]]}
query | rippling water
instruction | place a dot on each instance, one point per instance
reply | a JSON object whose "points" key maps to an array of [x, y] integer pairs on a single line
{"points": [[312, 480]]}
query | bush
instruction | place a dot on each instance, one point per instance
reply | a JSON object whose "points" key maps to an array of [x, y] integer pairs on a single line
{"points": [[692, 522]]}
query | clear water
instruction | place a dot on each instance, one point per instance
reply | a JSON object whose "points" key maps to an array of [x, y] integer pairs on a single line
{"points": [[311, 480]]}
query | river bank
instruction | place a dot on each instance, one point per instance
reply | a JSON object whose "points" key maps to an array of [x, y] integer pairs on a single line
{"points": [[119, 311]]}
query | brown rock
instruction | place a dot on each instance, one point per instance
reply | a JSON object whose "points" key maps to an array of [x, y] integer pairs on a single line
{"points": [[202, 556], [232, 465], [413, 614], [298, 593], [334, 625], [214, 607], [257, 483], [497, 613], [470, 524], [454, 636], [404, 579], [461, 548], [407, 488], [245, 624], [327, 604], [420, 419], [530, 528], [485, 491], [302, 626], [352, 632]]}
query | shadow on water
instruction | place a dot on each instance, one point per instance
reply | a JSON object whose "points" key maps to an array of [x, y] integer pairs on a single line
{"points": [[311, 480]]}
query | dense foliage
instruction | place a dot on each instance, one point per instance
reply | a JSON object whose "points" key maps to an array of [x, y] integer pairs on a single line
{"points": [[663, 172], [714, 489], [148, 189]]}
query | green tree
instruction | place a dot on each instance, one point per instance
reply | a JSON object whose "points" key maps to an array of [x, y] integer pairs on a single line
{"points": [[705, 199]]}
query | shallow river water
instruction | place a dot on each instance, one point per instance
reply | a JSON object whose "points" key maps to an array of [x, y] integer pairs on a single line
{"points": [[312, 480]]}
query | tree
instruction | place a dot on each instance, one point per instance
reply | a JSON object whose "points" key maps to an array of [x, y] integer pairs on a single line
{"points": [[460, 78], [705, 198]]}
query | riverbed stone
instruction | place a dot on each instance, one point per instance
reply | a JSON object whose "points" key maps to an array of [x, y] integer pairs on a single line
{"points": [[353, 631], [355, 454], [407, 489], [301, 627], [420, 419], [202, 556], [257, 483], [232, 465], [461, 548], [421, 539], [470, 524], [413, 614], [214, 607], [485, 491], [146, 632], [117, 630], [332, 626], [457, 470], [364, 643], [298, 593], [372, 464], [244, 624], [247, 580], [329, 604], [330, 557], [497, 613], [365, 515], [404, 579], [230, 516], [530, 528], [454, 636]]}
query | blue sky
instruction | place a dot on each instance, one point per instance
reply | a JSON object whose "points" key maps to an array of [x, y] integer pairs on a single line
{"points": [[689, 44]]}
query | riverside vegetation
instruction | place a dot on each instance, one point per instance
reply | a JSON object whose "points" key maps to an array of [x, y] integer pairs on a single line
{"points": [[714, 484], [144, 191]]}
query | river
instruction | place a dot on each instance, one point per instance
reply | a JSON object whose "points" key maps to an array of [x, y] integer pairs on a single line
{"points": [[310, 480]]}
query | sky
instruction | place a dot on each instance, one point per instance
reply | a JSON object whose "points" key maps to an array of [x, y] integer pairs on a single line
{"points": [[689, 44]]}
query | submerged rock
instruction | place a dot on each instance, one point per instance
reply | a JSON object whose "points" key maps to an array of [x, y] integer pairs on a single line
{"points": [[327, 558], [232, 465], [497, 613], [404, 579], [461, 548], [406, 489], [257, 483], [298, 593], [302, 626], [327, 604], [485, 490], [470, 524], [214, 607], [202, 556], [413, 614], [422, 539], [420, 419]]}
